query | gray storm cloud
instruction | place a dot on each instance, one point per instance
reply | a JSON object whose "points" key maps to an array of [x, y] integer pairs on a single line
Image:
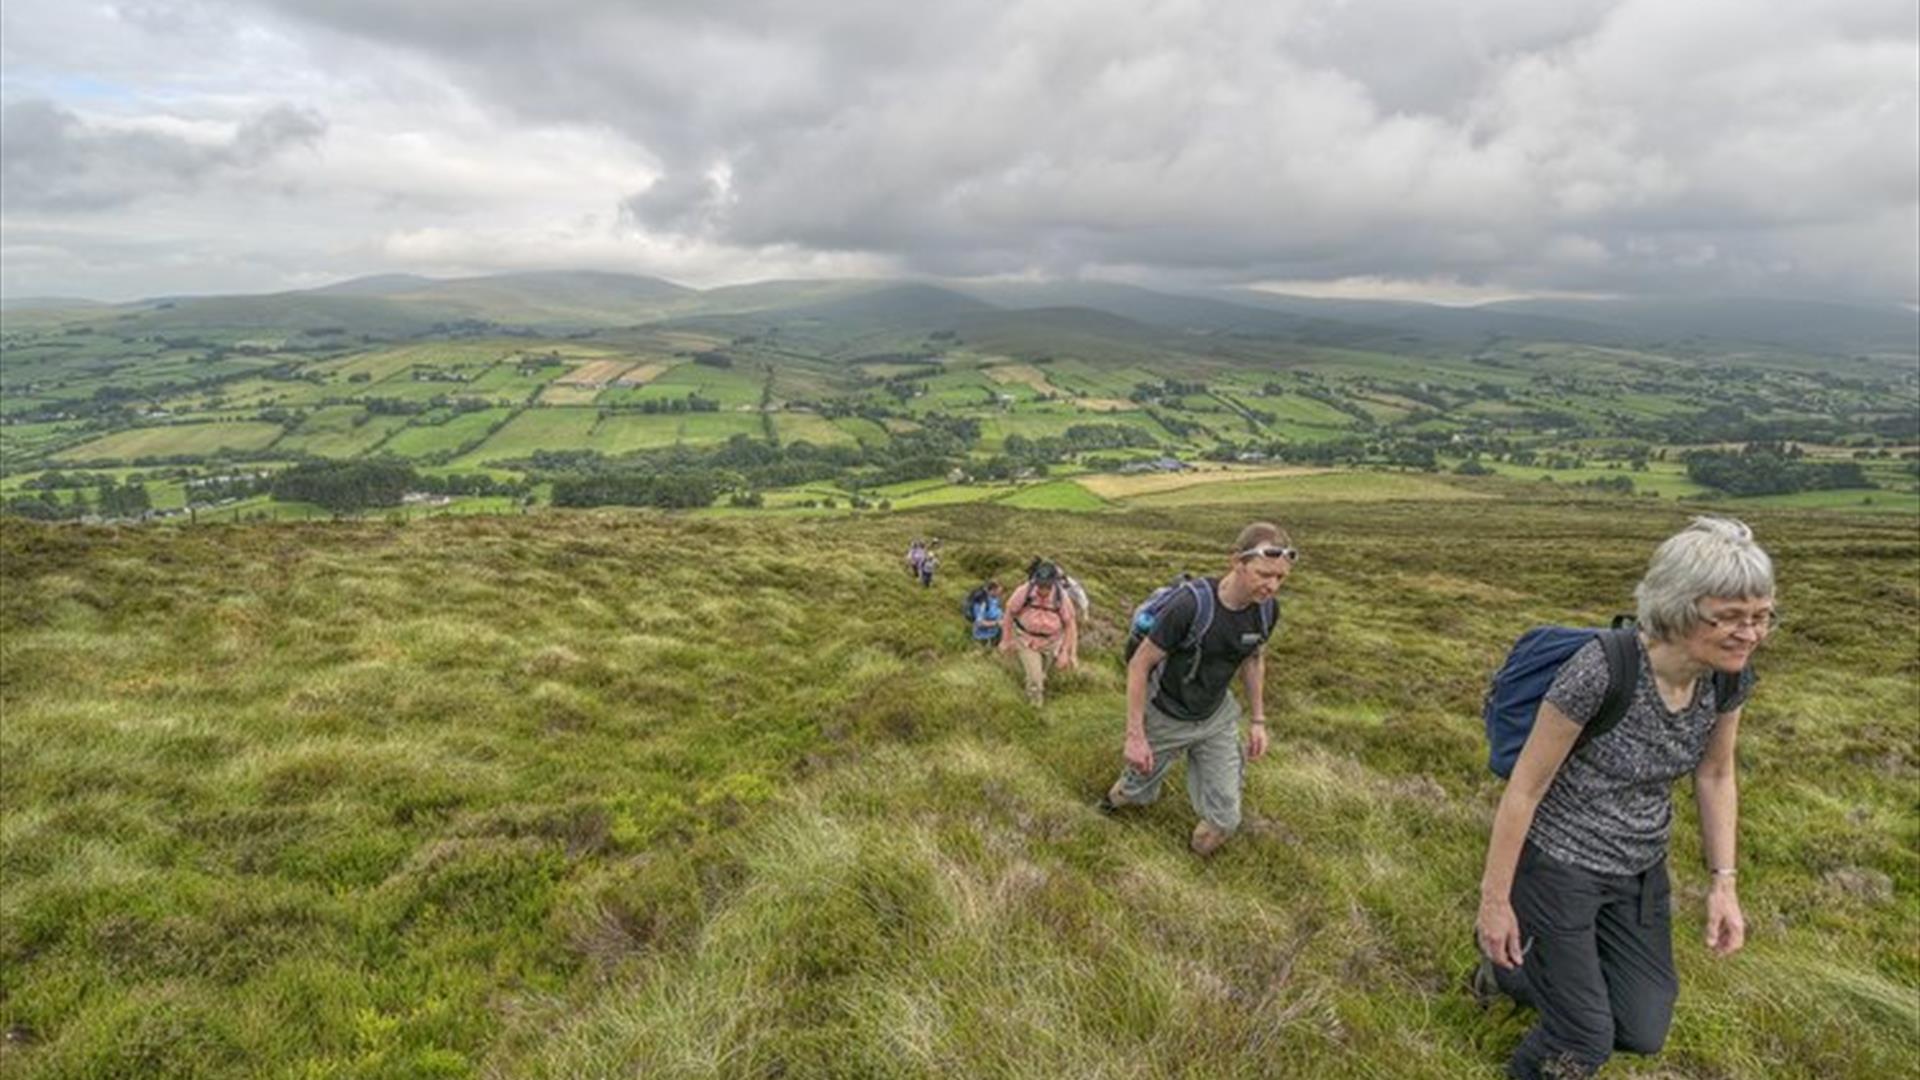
{"points": [[1611, 145], [51, 158]]}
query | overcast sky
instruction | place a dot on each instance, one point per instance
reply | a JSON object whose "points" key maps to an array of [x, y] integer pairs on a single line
{"points": [[1455, 150]]}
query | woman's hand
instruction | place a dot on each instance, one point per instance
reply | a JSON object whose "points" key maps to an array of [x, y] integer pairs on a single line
{"points": [[1499, 933], [1726, 926]]}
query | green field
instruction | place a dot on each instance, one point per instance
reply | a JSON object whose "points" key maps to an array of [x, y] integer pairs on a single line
{"points": [[22, 440], [1667, 479], [535, 429], [730, 387], [446, 437], [1057, 495], [175, 440], [1904, 503], [624, 432], [491, 797], [1055, 419], [382, 364], [504, 382], [334, 432], [820, 431]]}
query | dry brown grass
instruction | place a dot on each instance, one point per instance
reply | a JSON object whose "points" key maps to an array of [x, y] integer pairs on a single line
{"points": [[597, 373]]}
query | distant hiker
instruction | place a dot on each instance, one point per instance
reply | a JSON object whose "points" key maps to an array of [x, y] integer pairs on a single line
{"points": [[1040, 626], [929, 562], [1198, 634], [985, 612], [916, 554], [1575, 903]]}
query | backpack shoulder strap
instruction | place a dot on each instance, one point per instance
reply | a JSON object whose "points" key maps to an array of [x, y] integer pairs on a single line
{"points": [[1269, 616], [1622, 647], [1725, 686], [1202, 590]]}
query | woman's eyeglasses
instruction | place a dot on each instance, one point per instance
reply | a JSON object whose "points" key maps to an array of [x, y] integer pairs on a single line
{"points": [[1271, 551], [1763, 623]]}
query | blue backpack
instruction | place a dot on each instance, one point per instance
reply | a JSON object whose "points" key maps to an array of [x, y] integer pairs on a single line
{"points": [[1514, 696], [1157, 602]]}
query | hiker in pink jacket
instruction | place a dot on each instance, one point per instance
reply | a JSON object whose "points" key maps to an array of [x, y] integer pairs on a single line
{"points": [[1040, 624]]}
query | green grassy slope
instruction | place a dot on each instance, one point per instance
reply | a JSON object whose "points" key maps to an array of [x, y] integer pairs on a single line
{"points": [[629, 794]]}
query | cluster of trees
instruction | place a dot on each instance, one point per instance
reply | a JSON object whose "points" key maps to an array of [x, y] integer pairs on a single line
{"points": [[1022, 455], [632, 488], [692, 403], [1164, 391], [110, 499], [346, 486], [1619, 484], [1731, 423], [471, 484], [1771, 468]]}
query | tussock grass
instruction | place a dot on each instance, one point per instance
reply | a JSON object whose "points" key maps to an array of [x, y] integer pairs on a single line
{"points": [[625, 794]]}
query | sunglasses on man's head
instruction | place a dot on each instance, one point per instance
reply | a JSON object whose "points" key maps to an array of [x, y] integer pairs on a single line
{"points": [[1271, 551]]}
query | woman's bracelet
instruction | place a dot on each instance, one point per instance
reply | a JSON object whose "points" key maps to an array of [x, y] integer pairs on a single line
{"points": [[1724, 871]]}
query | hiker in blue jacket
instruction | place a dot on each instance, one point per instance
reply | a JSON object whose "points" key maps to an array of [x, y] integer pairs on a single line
{"points": [[985, 610], [1180, 686], [1575, 902]]}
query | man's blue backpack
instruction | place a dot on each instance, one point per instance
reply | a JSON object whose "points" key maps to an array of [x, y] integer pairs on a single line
{"points": [[1157, 602], [970, 607], [1513, 698]]}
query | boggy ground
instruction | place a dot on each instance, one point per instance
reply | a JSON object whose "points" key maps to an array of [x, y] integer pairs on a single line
{"points": [[624, 794]]}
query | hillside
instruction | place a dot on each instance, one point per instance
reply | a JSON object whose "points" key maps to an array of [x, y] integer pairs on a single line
{"points": [[621, 793], [502, 387]]}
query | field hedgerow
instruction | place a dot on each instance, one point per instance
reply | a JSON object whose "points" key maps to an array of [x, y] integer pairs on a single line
{"points": [[627, 794]]}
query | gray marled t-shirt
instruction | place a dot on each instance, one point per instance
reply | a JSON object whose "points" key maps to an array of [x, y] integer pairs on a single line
{"points": [[1610, 807]]}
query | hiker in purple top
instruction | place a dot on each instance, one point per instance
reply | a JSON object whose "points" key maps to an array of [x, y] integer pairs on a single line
{"points": [[1575, 902]]}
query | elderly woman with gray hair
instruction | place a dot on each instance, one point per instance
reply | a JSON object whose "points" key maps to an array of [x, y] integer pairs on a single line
{"points": [[1575, 902]]}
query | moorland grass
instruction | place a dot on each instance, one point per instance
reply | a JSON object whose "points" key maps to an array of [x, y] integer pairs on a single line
{"points": [[596, 794]]}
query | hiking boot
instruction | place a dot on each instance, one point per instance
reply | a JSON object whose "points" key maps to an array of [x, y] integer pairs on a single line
{"points": [[1036, 698], [1112, 803], [1207, 839]]}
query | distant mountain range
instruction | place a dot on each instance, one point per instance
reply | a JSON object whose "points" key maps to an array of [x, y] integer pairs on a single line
{"points": [[1128, 316]]}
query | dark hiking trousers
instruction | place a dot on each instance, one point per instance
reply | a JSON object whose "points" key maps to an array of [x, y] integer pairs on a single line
{"points": [[1598, 966]]}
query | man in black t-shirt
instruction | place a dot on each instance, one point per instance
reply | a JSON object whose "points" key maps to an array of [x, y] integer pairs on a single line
{"points": [[1179, 686]]}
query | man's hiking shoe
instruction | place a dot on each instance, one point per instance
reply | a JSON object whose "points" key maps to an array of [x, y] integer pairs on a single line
{"points": [[1483, 985], [1207, 839], [1113, 802]]}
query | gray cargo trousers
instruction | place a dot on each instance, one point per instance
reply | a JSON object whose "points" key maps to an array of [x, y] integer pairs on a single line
{"points": [[1598, 966], [1216, 763]]}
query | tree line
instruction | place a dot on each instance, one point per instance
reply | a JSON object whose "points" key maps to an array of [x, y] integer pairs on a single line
{"points": [[1771, 468]]}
